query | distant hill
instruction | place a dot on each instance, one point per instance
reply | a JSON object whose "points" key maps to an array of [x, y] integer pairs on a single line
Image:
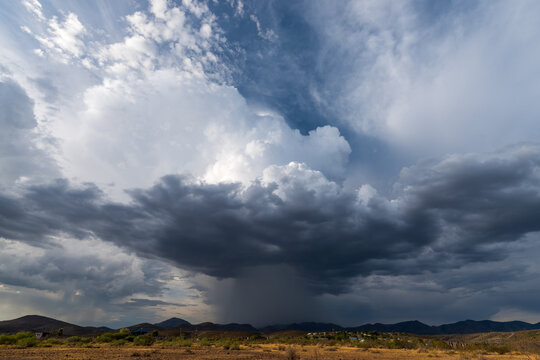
{"points": [[471, 327], [461, 327], [145, 326], [180, 324], [172, 322], [208, 326], [305, 326], [413, 327], [39, 323]]}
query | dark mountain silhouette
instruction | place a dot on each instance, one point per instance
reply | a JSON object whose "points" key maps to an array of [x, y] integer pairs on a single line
{"points": [[145, 326], [461, 327], [413, 327], [471, 326], [305, 326], [37, 323], [172, 322], [208, 326]]}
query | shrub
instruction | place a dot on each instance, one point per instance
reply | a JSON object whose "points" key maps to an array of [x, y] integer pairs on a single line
{"points": [[23, 338], [439, 344], [143, 340], [7, 339], [291, 354], [24, 334], [73, 339], [106, 338], [205, 342], [50, 342], [178, 341], [27, 341]]}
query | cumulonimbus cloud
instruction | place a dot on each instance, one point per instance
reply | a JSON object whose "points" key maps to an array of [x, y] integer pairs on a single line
{"points": [[462, 209]]}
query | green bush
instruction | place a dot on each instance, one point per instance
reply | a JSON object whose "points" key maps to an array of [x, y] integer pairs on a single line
{"points": [[7, 339], [178, 341], [24, 334], [73, 339], [23, 338], [110, 337], [105, 338], [439, 344], [143, 340], [50, 342], [120, 342], [205, 342], [27, 341]]}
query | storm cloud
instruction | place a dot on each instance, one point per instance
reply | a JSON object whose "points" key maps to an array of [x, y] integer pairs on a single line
{"points": [[461, 210], [269, 162]]}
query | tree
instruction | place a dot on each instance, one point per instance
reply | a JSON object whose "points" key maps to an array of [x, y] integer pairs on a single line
{"points": [[60, 332]]}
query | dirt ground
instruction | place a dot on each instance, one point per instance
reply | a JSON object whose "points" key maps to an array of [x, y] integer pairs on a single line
{"points": [[260, 352]]}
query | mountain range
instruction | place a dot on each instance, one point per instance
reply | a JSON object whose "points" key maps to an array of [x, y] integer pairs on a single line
{"points": [[44, 324]]}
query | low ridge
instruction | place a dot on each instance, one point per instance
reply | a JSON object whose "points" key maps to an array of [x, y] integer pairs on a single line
{"points": [[39, 323]]}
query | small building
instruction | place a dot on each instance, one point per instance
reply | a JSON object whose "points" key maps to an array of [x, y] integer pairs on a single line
{"points": [[41, 335], [140, 331]]}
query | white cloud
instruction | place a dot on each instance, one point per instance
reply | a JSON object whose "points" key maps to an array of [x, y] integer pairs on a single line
{"points": [[135, 131], [433, 83], [64, 38], [34, 6], [157, 110], [267, 34]]}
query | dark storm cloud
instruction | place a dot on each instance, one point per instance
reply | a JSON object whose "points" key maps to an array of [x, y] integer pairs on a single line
{"points": [[136, 303], [481, 202], [462, 210], [64, 276], [56, 268]]}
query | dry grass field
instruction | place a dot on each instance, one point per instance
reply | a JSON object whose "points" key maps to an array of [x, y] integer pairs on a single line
{"points": [[264, 351]]}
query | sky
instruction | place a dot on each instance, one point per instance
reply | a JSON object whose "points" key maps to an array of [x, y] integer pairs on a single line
{"points": [[269, 161]]}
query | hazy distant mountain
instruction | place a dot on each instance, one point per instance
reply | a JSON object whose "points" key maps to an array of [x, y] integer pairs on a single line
{"points": [[36, 323], [217, 327], [413, 327], [172, 322], [305, 326], [145, 326], [461, 327], [471, 326], [42, 323]]}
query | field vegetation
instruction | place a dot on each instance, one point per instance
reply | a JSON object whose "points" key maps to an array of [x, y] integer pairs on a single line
{"points": [[283, 345]]}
